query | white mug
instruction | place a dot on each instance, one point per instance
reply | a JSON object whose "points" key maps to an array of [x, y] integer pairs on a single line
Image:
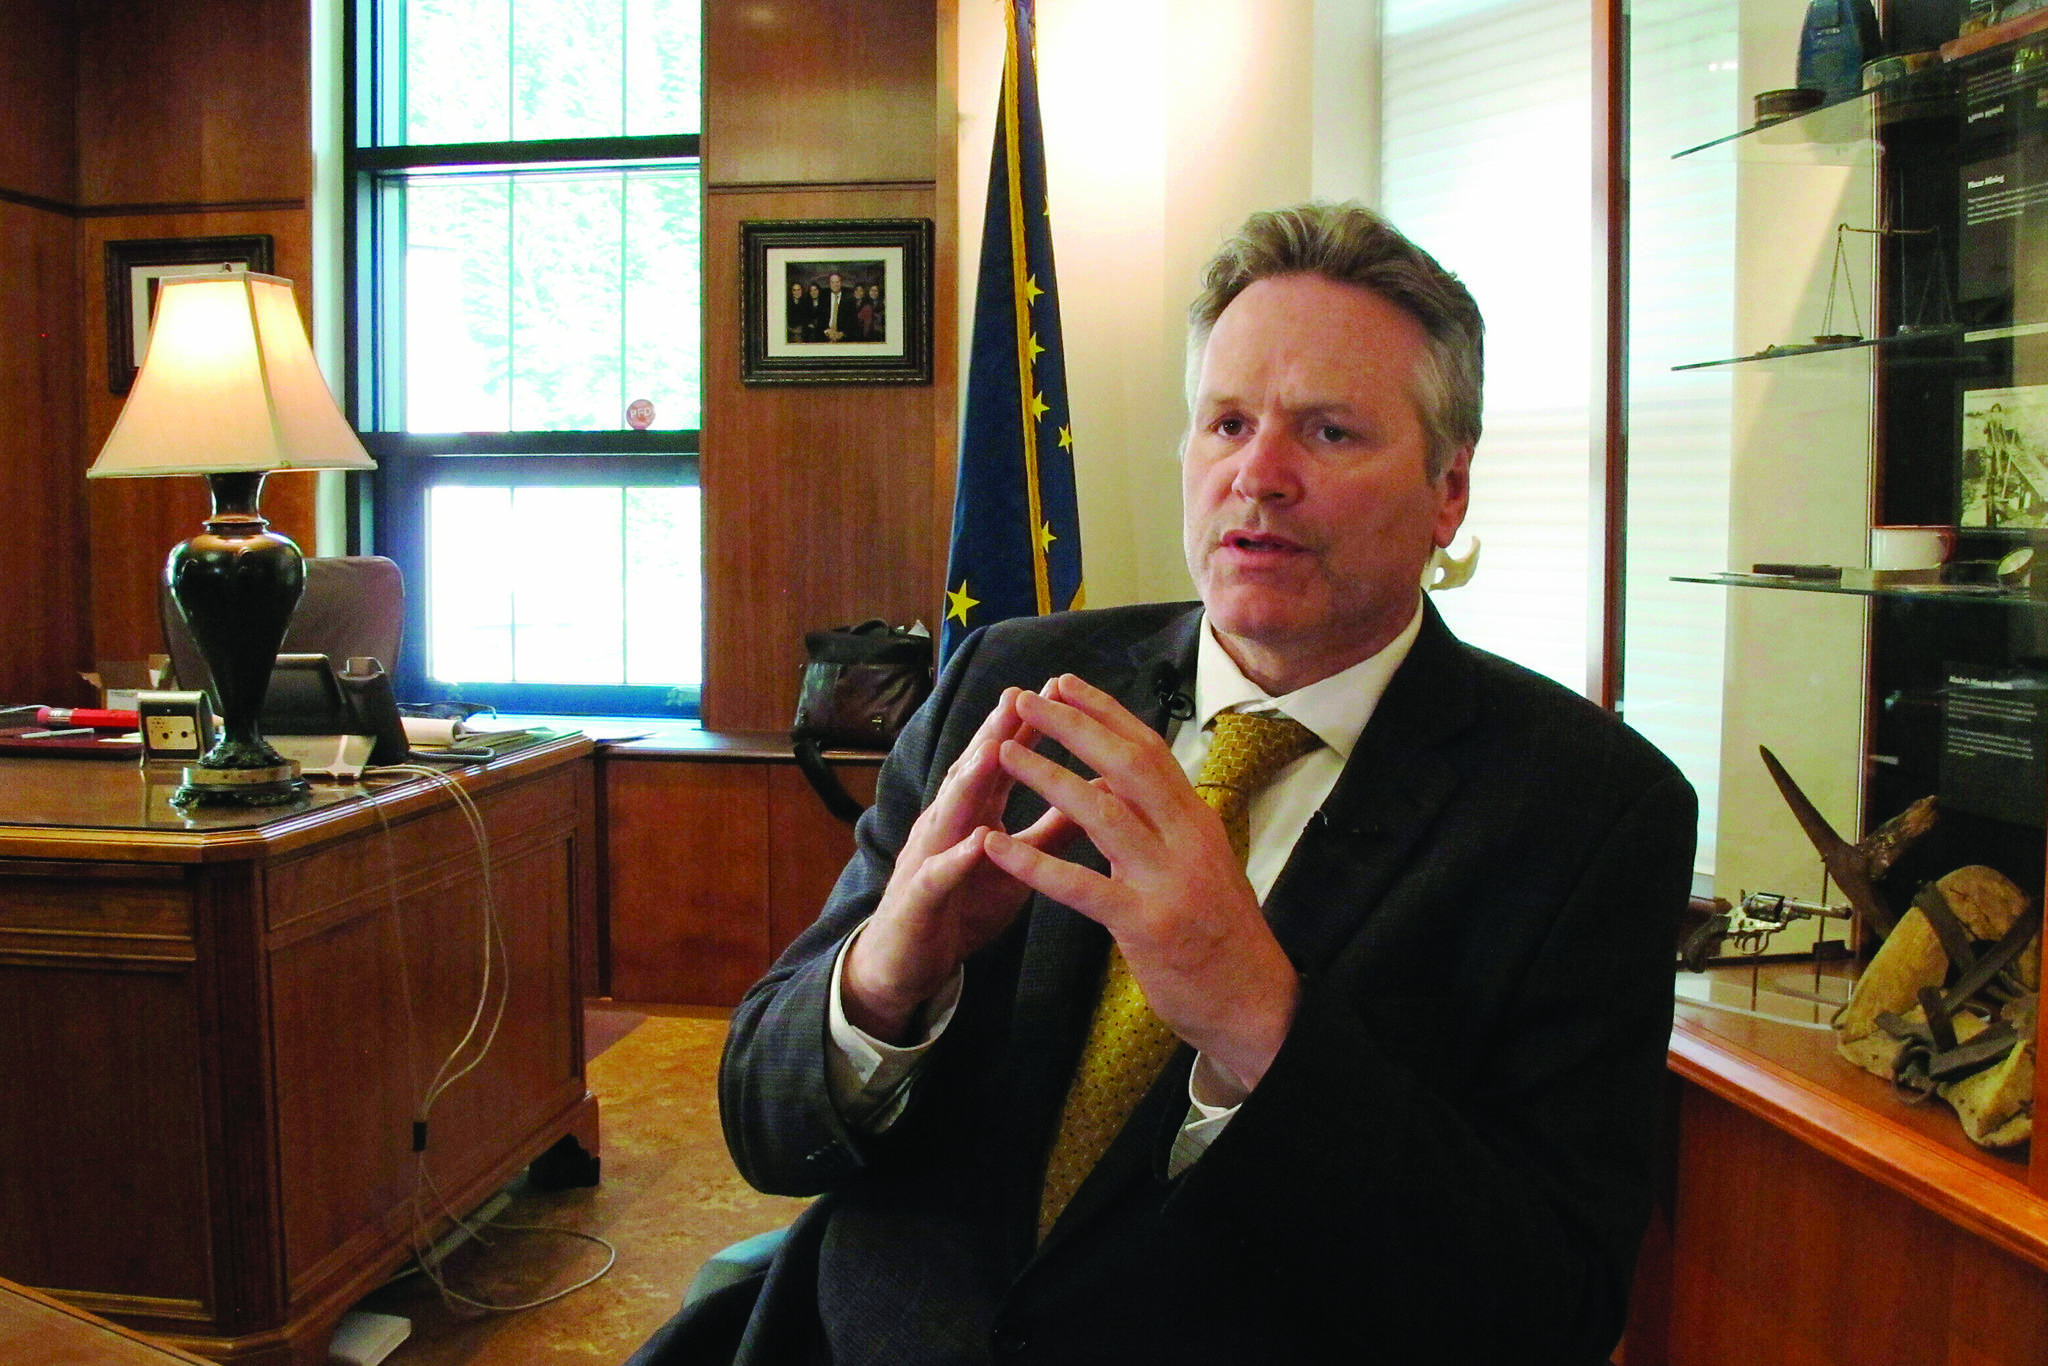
{"points": [[1910, 547]]}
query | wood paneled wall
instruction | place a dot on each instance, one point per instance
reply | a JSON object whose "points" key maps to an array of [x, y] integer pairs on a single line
{"points": [[193, 121], [43, 629], [170, 118], [124, 119], [824, 503], [38, 98]]}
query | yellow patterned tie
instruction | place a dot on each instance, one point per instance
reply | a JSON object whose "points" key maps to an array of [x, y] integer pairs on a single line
{"points": [[1127, 1044]]}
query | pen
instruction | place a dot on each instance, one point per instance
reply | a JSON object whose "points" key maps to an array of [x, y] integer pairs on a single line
{"points": [[55, 734], [101, 718]]}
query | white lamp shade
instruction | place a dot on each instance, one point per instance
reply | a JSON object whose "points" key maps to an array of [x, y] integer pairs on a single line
{"points": [[228, 384]]}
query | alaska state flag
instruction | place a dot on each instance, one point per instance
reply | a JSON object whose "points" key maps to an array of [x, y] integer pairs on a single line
{"points": [[1016, 548]]}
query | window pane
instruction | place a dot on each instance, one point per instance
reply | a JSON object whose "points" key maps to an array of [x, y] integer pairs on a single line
{"points": [[469, 593], [550, 300], [516, 70], [458, 78], [664, 323], [568, 240], [1468, 144], [567, 600], [566, 69], [664, 73], [664, 589], [617, 602], [458, 307]]}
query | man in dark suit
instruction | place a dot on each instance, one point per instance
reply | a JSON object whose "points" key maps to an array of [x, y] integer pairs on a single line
{"points": [[835, 310], [1414, 1027]]}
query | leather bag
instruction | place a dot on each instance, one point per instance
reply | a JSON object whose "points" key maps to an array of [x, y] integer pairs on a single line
{"points": [[859, 687]]}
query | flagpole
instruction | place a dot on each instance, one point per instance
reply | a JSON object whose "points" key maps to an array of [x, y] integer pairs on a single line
{"points": [[1020, 280]]}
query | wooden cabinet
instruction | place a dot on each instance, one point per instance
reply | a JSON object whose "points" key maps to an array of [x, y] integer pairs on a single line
{"points": [[1822, 311], [216, 1034], [719, 853]]}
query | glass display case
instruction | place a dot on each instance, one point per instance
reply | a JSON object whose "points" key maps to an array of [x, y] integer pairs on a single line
{"points": [[1836, 594]]}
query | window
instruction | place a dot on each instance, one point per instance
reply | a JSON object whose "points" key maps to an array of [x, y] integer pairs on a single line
{"points": [[1683, 85], [1485, 121], [524, 362], [1495, 178]]}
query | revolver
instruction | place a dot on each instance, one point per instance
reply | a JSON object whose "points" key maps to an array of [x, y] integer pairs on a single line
{"points": [[1751, 925]]}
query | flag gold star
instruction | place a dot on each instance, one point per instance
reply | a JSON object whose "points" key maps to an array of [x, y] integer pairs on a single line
{"points": [[1032, 348], [1031, 289], [958, 604], [1066, 439], [1038, 408], [1045, 536]]}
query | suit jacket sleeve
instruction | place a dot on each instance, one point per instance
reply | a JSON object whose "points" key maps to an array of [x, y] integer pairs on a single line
{"points": [[775, 1105]]}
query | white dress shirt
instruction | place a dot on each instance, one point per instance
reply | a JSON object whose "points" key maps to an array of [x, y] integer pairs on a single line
{"points": [[870, 1079]]}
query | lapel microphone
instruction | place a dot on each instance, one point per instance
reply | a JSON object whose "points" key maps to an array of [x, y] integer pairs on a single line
{"points": [[1166, 687]]}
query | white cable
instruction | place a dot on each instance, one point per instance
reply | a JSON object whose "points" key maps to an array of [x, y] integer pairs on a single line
{"points": [[494, 933], [432, 1270]]}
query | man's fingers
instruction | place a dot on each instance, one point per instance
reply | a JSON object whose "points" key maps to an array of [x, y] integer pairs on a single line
{"points": [[975, 784], [1133, 760], [1077, 692], [955, 808], [1093, 804], [940, 873], [1126, 832], [1050, 831], [1087, 891], [1000, 723]]}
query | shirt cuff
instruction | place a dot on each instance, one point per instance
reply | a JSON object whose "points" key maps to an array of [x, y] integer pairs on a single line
{"points": [[869, 1079], [1213, 1098]]}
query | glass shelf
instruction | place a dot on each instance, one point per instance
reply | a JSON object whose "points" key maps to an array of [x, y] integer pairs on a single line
{"points": [[1897, 339], [1945, 592], [1844, 130]]}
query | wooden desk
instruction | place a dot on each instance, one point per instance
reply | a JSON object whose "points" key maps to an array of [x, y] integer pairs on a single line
{"points": [[214, 1032], [36, 1330]]}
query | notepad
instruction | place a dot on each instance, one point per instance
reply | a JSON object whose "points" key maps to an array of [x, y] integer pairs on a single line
{"points": [[433, 732], [339, 757]]}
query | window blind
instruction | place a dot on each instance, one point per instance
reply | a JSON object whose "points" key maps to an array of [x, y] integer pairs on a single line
{"points": [[1486, 161], [1682, 92]]}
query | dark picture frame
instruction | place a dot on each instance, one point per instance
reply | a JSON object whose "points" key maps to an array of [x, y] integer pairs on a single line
{"points": [[135, 267], [785, 270]]}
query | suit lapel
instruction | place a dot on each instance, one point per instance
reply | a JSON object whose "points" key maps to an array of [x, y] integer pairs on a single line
{"points": [[1389, 795]]}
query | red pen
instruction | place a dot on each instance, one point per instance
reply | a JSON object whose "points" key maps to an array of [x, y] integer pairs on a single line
{"points": [[99, 718]]}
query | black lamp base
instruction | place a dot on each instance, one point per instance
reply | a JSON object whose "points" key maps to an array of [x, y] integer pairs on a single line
{"points": [[236, 584], [276, 785]]}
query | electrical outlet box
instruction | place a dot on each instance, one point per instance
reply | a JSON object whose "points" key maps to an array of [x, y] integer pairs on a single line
{"points": [[176, 726]]}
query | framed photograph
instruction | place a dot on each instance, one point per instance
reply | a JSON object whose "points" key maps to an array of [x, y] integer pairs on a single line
{"points": [[837, 301], [2004, 476], [134, 270]]}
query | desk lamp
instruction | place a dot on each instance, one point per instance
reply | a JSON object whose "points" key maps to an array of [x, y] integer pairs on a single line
{"points": [[228, 389]]}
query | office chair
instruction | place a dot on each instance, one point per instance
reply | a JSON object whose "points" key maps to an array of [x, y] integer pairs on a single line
{"points": [[353, 606], [735, 1263]]}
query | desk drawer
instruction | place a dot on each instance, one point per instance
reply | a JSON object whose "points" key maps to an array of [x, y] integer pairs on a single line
{"points": [[114, 912]]}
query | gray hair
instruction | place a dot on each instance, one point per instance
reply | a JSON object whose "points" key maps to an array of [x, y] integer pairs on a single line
{"points": [[1352, 245]]}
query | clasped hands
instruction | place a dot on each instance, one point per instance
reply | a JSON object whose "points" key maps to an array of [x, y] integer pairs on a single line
{"points": [[1175, 899]]}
